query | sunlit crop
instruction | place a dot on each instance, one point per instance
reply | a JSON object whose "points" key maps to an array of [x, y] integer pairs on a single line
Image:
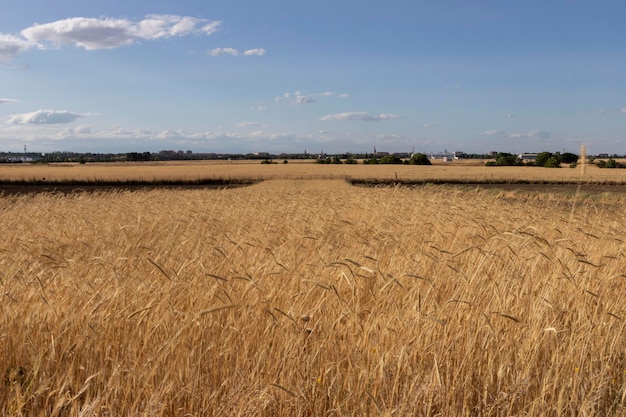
{"points": [[313, 298]]}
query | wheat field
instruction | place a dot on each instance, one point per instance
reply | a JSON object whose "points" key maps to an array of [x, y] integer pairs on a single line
{"points": [[464, 170], [313, 298]]}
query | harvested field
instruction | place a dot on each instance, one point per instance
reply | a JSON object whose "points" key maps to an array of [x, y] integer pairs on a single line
{"points": [[313, 297]]}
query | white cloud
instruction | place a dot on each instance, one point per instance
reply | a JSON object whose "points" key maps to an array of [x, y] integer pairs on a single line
{"points": [[493, 132], [389, 136], [11, 46], [236, 52], [429, 125], [623, 110], [169, 135], [223, 51], [300, 98], [78, 131], [106, 33], [260, 134], [7, 100], [343, 95], [164, 26], [255, 51], [360, 116], [45, 117], [533, 134]]}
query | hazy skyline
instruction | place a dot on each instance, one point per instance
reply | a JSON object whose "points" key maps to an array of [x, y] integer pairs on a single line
{"points": [[338, 76]]}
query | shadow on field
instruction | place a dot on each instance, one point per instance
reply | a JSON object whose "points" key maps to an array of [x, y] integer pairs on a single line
{"points": [[565, 187], [15, 187], [70, 187]]}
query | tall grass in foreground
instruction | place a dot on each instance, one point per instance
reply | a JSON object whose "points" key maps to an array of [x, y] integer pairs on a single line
{"points": [[314, 299]]}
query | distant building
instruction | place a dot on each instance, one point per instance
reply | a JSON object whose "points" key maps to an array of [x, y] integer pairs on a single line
{"points": [[444, 156], [529, 157]]}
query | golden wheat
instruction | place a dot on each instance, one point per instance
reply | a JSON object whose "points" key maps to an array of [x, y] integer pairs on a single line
{"points": [[190, 171], [310, 298]]}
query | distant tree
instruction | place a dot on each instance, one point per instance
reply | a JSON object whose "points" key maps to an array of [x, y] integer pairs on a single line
{"points": [[370, 161], [569, 158], [611, 164], [350, 160], [542, 158], [136, 156], [335, 160], [552, 162], [390, 159], [419, 159], [507, 159]]}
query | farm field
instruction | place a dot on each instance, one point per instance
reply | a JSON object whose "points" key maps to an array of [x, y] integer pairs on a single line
{"points": [[311, 297], [463, 170]]}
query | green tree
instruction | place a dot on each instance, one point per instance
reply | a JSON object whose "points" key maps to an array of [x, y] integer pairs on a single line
{"points": [[569, 158], [542, 158], [552, 162], [419, 159], [390, 159], [507, 159]]}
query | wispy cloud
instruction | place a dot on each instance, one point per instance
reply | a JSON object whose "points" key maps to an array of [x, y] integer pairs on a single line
{"points": [[255, 51], [7, 100], [43, 117], [78, 131], [301, 98], [236, 52], [429, 125], [360, 116], [11, 46], [623, 110], [223, 51], [107, 33], [493, 132], [533, 134]]}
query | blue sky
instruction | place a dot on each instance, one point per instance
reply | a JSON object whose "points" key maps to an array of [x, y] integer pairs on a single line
{"points": [[295, 75]]}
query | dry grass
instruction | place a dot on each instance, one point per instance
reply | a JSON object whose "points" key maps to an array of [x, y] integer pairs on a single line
{"points": [[312, 298], [191, 171]]}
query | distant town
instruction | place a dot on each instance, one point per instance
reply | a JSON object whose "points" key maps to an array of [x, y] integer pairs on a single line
{"points": [[180, 155]]}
